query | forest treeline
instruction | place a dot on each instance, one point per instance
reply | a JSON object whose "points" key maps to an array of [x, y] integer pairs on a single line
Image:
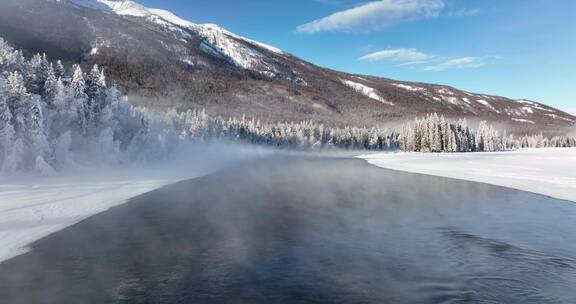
{"points": [[432, 133], [53, 118]]}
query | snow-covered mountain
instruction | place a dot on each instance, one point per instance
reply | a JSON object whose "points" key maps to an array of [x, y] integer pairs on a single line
{"points": [[217, 40], [162, 59]]}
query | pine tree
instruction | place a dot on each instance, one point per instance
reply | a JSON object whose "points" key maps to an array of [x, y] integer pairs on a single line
{"points": [[59, 70], [78, 83], [33, 76], [481, 137], [95, 90], [17, 102], [6, 129], [50, 89], [78, 86]]}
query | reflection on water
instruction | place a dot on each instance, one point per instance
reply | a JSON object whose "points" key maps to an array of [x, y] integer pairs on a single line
{"points": [[309, 231]]}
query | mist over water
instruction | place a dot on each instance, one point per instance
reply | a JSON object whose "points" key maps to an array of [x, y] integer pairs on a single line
{"points": [[309, 230]]}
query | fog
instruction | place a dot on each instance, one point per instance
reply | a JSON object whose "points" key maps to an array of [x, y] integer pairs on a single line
{"points": [[33, 206], [189, 159]]}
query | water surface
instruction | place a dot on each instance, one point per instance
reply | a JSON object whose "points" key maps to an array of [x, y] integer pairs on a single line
{"points": [[309, 230]]}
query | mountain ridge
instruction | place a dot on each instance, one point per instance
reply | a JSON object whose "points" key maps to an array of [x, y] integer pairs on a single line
{"points": [[161, 59]]}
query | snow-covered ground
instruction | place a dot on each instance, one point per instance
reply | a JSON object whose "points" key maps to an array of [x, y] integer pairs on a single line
{"points": [[31, 211], [550, 172], [34, 207]]}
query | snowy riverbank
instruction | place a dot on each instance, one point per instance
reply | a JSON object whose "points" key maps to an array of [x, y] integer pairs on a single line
{"points": [[550, 171], [31, 211], [34, 207]]}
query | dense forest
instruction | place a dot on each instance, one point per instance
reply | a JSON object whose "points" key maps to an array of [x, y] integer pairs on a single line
{"points": [[53, 118], [432, 133], [435, 134]]}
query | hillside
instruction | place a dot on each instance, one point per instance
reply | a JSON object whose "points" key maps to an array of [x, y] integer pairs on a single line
{"points": [[162, 60]]}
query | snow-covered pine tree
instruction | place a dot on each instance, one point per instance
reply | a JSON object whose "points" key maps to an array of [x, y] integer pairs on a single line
{"points": [[78, 85], [37, 74], [17, 99], [38, 142], [6, 129], [43, 125], [482, 137], [59, 70], [95, 89], [49, 89]]}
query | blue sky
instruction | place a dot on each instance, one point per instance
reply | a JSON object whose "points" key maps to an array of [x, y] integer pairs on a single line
{"points": [[513, 48]]}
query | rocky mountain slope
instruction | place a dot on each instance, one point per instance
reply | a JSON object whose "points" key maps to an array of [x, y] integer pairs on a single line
{"points": [[163, 60]]}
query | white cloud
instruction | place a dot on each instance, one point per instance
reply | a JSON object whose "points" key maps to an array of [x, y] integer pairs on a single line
{"points": [[413, 63], [413, 57], [374, 15], [465, 12], [410, 55], [461, 63]]}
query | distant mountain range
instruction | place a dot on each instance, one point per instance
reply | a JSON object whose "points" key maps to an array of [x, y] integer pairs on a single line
{"points": [[162, 60]]}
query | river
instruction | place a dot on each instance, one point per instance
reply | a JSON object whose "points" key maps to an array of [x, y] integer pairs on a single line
{"points": [[309, 230]]}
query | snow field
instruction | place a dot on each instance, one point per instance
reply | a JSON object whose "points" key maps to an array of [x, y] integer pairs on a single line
{"points": [[548, 171]]}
